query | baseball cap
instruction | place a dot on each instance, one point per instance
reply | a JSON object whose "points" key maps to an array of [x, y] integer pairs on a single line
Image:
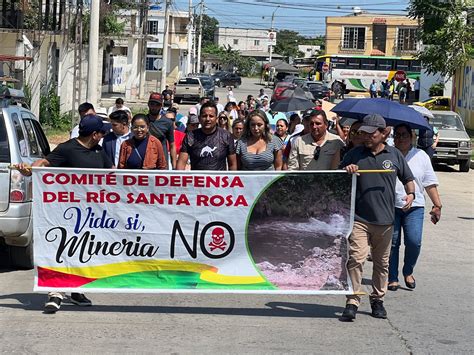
{"points": [[193, 111], [90, 124], [155, 97], [372, 122], [193, 119]]}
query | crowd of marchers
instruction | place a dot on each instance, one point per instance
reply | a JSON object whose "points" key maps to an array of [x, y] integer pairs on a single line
{"points": [[391, 183]]}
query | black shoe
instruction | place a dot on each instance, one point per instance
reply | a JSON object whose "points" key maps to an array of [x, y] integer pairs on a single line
{"points": [[393, 287], [378, 310], [80, 299], [411, 285], [349, 312], [53, 305]]}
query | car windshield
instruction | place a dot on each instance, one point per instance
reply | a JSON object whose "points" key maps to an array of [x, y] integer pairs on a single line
{"points": [[189, 81], [316, 87], [427, 100], [206, 82], [4, 147], [447, 122]]}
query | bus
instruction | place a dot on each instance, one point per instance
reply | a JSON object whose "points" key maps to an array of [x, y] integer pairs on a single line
{"points": [[359, 70]]}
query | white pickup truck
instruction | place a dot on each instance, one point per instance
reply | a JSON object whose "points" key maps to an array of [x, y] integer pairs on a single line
{"points": [[188, 89]]}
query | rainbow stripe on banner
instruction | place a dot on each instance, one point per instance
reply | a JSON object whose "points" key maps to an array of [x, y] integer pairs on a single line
{"points": [[147, 274]]}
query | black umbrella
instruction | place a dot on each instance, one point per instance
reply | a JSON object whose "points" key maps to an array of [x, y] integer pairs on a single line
{"points": [[292, 104]]}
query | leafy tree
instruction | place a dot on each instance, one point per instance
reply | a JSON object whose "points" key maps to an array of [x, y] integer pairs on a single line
{"points": [[446, 37], [209, 26], [287, 44]]}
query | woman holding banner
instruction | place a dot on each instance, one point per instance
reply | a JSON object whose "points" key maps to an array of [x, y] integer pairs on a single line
{"points": [[142, 151], [258, 149], [411, 220]]}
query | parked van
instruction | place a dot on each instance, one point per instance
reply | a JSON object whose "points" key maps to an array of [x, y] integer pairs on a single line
{"points": [[21, 140]]}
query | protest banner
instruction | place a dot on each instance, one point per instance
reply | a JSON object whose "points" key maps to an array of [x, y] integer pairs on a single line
{"points": [[159, 231]]}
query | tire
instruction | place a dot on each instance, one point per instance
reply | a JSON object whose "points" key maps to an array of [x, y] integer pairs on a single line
{"points": [[177, 100], [22, 257], [464, 165]]}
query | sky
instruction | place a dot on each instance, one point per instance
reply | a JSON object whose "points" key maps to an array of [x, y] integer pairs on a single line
{"points": [[304, 16]]}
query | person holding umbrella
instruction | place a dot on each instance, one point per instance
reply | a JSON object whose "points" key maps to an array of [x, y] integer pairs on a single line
{"points": [[411, 220]]}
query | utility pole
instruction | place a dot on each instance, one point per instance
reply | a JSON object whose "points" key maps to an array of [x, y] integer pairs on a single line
{"points": [[143, 48], [165, 46], [190, 38], [198, 69], [271, 30], [93, 63]]}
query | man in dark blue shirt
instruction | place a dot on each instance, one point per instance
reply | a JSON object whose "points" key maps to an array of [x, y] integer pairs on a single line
{"points": [[374, 210]]}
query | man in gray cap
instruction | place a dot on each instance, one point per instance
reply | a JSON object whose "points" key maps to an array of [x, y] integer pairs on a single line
{"points": [[374, 210]]}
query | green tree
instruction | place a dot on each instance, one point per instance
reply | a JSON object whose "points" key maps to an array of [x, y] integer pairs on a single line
{"points": [[287, 44], [446, 36], [209, 26]]}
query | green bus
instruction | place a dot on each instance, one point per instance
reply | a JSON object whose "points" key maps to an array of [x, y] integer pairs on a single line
{"points": [[359, 70]]}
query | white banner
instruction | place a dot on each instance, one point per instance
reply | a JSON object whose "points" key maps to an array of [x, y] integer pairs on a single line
{"points": [[157, 231]]}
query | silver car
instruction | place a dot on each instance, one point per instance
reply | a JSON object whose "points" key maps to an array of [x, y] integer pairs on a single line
{"points": [[454, 145], [21, 140]]}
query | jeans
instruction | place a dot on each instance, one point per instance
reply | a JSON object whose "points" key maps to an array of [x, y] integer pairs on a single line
{"points": [[411, 222]]}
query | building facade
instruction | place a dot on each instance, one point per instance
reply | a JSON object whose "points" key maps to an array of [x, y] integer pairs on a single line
{"points": [[309, 50], [242, 39], [372, 34]]}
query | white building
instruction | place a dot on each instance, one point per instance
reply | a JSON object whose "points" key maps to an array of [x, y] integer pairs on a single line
{"points": [[309, 50], [242, 39]]}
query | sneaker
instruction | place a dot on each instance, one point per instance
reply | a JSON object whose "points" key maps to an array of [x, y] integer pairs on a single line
{"points": [[349, 312], [378, 310], [80, 299], [53, 305]]}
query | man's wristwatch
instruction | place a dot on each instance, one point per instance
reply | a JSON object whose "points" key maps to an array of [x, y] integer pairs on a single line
{"points": [[434, 206], [411, 193]]}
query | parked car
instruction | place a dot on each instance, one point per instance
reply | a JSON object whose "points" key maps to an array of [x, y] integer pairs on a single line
{"points": [[189, 89], [225, 78], [318, 88], [454, 145], [439, 103], [208, 83], [22, 140], [279, 90]]}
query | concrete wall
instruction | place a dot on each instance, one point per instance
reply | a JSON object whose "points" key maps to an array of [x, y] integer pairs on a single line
{"points": [[225, 36], [335, 32]]}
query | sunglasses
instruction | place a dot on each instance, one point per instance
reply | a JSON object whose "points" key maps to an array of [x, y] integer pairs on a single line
{"points": [[317, 152], [223, 118], [356, 133]]}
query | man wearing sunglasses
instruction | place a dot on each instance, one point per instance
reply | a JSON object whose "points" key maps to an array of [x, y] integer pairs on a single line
{"points": [[317, 150], [374, 210]]}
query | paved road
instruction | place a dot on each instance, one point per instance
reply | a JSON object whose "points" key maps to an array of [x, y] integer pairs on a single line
{"points": [[435, 318]]}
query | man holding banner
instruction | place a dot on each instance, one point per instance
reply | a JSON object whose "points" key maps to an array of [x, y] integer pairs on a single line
{"points": [[208, 147], [81, 152], [374, 210]]}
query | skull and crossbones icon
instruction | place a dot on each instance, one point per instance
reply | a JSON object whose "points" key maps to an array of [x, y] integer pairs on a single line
{"points": [[217, 239]]}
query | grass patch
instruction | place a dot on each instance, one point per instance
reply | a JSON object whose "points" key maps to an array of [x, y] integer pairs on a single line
{"points": [[56, 135]]}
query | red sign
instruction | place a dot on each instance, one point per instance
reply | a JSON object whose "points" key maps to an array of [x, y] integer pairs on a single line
{"points": [[400, 75], [379, 20], [325, 67]]}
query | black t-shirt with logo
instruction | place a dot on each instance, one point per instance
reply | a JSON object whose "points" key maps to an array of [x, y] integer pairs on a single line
{"points": [[72, 154], [375, 195], [208, 151]]}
